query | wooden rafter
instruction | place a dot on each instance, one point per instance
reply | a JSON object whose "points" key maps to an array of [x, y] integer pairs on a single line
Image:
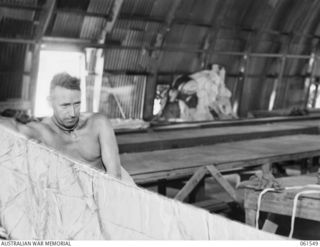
{"points": [[212, 33], [157, 45], [165, 29], [83, 13], [22, 7], [110, 24], [285, 50], [60, 10], [45, 19], [249, 47], [234, 27]]}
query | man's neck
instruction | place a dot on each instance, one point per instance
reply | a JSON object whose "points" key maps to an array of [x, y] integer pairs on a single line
{"points": [[62, 127]]}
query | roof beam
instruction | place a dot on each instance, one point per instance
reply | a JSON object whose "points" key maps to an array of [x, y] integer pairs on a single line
{"points": [[233, 27], [165, 29], [45, 18], [16, 41], [110, 24], [22, 7], [211, 36], [88, 43], [83, 13], [58, 10]]}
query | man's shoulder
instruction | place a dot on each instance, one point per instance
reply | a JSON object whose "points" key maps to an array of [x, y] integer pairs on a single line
{"points": [[37, 124], [98, 119], [40, 126]]}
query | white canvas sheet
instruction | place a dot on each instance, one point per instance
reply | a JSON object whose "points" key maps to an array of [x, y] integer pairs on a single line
{"points": [[44, 195]]}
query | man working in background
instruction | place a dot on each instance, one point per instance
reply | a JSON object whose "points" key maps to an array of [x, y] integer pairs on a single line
{"points": [[86, 138]]}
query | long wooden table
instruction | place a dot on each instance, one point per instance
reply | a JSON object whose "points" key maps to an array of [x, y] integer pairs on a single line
{"points": [[148, 167]]}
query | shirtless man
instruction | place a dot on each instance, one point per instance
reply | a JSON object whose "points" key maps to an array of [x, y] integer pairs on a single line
{"points": [[86, 138]]}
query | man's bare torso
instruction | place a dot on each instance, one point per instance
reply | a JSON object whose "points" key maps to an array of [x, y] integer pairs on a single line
{"points": [[82, 143]]}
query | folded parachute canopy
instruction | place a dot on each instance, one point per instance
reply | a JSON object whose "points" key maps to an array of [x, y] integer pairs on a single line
{"points": [[44, 195]]}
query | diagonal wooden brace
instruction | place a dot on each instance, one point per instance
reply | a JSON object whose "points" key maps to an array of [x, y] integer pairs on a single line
{"points": [[223, 182], [191, 184]]}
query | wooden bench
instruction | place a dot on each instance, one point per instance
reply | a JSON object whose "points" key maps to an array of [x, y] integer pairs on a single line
{"points": [[281, 203]]}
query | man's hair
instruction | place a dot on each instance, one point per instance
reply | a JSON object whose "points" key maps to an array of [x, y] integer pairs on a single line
{"points": [[65, 80]]}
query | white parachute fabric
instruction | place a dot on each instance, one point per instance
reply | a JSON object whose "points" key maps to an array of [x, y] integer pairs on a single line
{"points": [[45, 195], [212, 93]]}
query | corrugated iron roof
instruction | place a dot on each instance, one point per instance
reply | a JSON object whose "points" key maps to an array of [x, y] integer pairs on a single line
{"points": [[92, 26], [67, 25], [125, 60], [12, 57]]}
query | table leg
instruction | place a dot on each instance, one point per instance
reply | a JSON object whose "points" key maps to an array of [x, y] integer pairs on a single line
{"points": [[198, 192], [162, 187], [191, 184], [250, 216]]}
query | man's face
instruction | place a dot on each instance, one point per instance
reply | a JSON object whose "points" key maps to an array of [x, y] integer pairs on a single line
{"points": [[66, 105]]}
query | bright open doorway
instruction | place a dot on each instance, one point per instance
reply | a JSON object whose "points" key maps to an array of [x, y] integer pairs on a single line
{"points": [[51, 63]]}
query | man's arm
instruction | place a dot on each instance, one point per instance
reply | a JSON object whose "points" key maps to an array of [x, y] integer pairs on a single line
{"points": [[109, 147], [29, 130], [9, 123]]}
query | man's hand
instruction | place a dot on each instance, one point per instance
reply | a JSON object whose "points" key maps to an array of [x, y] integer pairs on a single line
{"points": [[3, 233], [108, 145]]}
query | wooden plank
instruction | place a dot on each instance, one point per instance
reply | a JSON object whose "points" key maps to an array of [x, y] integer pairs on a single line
{"points": [[223, 182], [310, 120], [237, 122], [282, 203], [232, 152], [276, 203], [140, 142], [191, 184]]}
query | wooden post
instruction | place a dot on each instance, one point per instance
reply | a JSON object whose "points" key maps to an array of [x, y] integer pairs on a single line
{"points": [[162, 187], [44, 21], [242, 95], [97, 55], [276, 83], [34, 75], [316, 90], [313, 62], [25, 94], [150, 93], [250, 215], [198, 192]]}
